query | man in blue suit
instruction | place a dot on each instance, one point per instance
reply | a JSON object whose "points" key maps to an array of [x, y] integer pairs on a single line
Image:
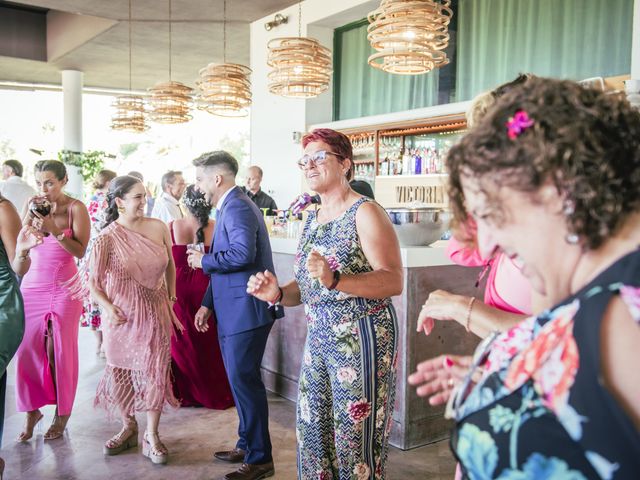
{"points": [[240, 249]]}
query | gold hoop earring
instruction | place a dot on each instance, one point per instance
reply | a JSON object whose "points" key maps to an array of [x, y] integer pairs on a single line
{"points": [[120, 210]]}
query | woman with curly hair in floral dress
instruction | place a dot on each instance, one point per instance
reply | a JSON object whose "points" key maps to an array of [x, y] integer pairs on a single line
{"points": [[347, 267], [552, 176]]}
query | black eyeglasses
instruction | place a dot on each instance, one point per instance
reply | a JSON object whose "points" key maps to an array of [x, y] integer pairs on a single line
{"points": [[318, 158]]}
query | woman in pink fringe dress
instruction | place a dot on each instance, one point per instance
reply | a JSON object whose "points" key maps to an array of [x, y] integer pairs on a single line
{"points": [[132, 277], [47, 360]]}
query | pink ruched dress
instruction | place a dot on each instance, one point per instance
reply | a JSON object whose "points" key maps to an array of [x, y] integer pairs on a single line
{"points": [[47, 298], [130, 269], [507, 288]]}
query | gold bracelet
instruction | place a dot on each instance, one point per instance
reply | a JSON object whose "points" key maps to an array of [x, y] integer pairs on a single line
{"points": [[23, 258], [467, 322]]}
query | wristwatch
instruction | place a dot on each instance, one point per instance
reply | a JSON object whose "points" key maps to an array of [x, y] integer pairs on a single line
{"points": [[61, 237]]}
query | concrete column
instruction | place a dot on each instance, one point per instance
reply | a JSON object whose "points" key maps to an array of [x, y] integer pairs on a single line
{"points": [[635, 41], [72, 97]]}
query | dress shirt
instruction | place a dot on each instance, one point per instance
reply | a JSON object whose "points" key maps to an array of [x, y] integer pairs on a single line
{"points": [[222, 199], [18, 192], [166, 208]]}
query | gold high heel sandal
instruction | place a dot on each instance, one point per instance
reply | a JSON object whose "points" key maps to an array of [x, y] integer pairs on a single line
{"points": [[156, 451], [123, 440], [57, 428], [27, 432]]}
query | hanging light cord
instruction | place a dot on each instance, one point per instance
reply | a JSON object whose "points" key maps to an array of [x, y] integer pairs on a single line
{"points": [[129, 46], [224, 32], [300, 18], [169, 40]]}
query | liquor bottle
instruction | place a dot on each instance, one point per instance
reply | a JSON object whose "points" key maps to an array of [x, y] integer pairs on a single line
{"points": [[406, 162], [417, 162]]}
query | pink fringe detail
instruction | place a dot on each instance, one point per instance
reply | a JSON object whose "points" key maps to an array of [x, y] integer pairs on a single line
{"points": [[129, 269]]}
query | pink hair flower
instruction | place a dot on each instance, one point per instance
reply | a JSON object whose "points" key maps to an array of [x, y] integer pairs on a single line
{"points": [[518, 124]]}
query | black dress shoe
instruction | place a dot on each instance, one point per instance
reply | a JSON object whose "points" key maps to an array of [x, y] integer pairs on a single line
{"points": [[232, 456], [252, 472]]}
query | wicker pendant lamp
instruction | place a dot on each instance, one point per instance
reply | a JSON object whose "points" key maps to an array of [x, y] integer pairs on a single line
{"points": [[170, 102], [224, 89], [409, 36], [130, 114], [301, 66]]}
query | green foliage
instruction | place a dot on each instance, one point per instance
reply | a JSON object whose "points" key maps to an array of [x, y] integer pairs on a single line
{"points": [[128, 148], [90, 163]]}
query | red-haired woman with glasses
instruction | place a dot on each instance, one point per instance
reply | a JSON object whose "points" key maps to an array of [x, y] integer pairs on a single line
{"points": [[346, 269]]}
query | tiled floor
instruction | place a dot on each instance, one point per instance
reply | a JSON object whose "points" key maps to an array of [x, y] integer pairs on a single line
{"points": [[190, 434]]}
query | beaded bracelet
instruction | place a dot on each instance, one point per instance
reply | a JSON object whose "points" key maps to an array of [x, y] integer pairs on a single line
{"points": [[467, 321]]}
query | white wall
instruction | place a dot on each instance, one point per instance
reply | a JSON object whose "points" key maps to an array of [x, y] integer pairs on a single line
{"points": [[274, 118], [635, 42]]}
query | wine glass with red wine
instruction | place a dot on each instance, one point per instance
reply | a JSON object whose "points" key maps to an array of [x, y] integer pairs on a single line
{"points": [[42, 206]]}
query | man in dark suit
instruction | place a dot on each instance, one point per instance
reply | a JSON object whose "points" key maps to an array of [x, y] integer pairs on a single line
{"points": [[240, 249]]}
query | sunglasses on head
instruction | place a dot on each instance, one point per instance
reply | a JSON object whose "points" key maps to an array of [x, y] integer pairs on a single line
{"points": [[459, 393]]}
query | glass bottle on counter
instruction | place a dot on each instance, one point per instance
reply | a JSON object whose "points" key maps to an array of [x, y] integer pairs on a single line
{"points": [[384, 166], [417, 162]]}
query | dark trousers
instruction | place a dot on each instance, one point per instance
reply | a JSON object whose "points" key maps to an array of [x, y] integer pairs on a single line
{"points": [[242, 354]]}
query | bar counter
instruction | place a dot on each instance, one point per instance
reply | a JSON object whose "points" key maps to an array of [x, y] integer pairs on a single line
{"points": [[425, 269]]}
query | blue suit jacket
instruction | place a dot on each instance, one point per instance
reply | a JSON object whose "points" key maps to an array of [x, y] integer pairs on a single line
{"points": [[240, 249]]}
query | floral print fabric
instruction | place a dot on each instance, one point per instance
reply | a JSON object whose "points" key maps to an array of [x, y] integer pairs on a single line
{"points": [[540, 409], [347, 381], [91, 315]]}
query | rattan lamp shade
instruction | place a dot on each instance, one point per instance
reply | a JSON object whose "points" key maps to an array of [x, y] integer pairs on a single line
{"points": [[170, 102], [301, 67], [224, 89], [409, 36], [130, 114]]}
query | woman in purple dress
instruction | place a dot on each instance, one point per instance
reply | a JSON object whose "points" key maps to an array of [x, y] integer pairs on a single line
{"points": [[199, 377]]}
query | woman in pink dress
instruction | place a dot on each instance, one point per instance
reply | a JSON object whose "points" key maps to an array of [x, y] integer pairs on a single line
{"points": [[508, 296], [133, 278], [47, 360], [199, 377]]}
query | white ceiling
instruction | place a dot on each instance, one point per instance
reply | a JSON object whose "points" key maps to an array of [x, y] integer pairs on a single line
{"points": [[197, 39]]}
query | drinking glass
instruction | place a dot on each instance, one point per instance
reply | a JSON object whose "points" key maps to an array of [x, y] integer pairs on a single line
{"points": [[198, 247]]}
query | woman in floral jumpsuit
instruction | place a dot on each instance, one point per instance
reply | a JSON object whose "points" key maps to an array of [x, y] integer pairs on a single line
{"points": [[347, 268]]}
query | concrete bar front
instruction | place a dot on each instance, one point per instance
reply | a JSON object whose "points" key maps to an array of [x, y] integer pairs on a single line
{"points": [[426, 269]]}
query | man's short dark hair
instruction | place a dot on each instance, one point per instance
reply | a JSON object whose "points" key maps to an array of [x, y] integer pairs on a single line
{"points": [[219, 158], [16, 166], [168, 178]]}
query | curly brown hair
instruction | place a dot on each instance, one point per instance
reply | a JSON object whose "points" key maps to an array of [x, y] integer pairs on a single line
{"points": [[584, 141]]}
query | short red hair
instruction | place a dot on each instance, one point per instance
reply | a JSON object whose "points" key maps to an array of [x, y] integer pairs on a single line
{"points": [[338, 141]]}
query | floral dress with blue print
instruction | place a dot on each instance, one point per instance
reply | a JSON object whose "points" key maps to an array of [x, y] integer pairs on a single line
{"points": [[91, 314], [347, 379], [540, 409]]}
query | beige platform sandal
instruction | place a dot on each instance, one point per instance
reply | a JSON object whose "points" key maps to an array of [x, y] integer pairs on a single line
{"points": [[154, 449], [123, 440]]}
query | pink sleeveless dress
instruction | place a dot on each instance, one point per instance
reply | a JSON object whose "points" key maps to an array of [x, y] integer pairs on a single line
{"points": [[47, 298], [130, 269]]}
